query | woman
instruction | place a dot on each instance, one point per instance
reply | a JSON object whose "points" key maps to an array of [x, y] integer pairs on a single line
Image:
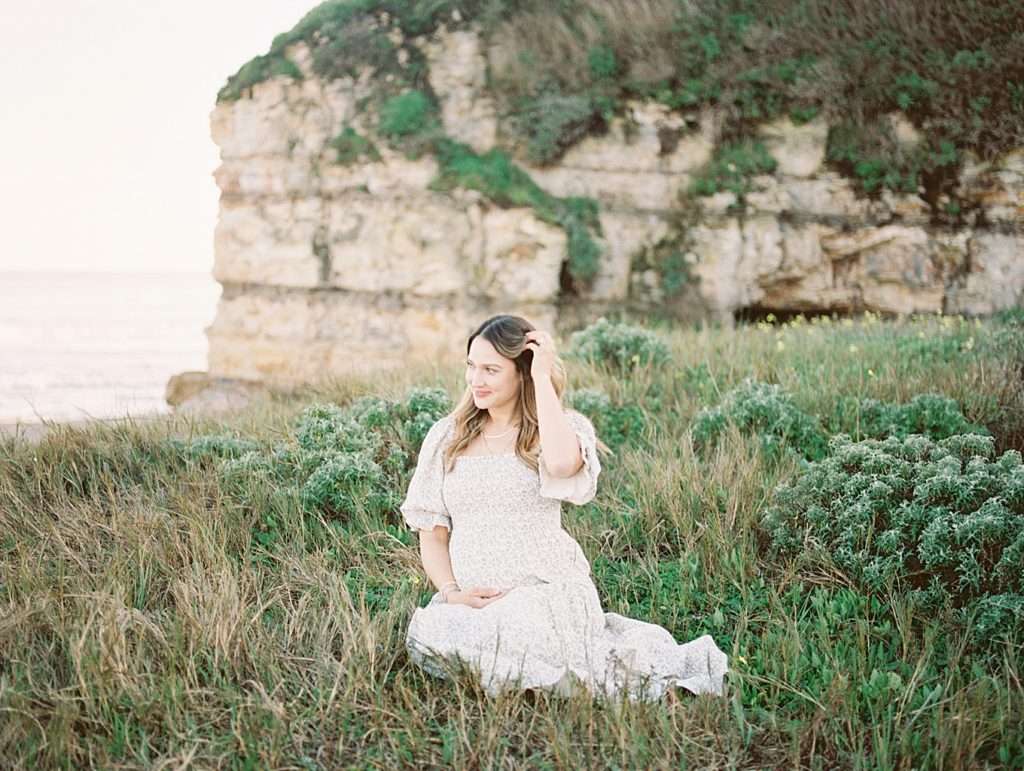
{"points": [[515, 598]]}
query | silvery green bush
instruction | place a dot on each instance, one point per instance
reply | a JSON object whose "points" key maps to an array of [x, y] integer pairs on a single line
{"points": [[933, 415], [618, 344], [939, 522], [764, 410], [616, 425], [338, 460]]}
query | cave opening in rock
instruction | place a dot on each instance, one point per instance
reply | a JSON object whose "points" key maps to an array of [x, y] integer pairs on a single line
{"points": [[566, 283], [752, 314]]}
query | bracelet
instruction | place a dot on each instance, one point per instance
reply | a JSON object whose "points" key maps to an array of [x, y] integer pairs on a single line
{"points": [[444, 594]]}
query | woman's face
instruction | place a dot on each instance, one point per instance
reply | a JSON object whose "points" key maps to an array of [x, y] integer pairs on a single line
{"points": [[493, 378]]}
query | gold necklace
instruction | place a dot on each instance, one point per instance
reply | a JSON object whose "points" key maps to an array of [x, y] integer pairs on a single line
{"points": [[488, 444], [497, 436]]}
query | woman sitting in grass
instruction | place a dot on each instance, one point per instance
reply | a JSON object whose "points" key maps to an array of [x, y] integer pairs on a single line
{"points": [[515, 598]]}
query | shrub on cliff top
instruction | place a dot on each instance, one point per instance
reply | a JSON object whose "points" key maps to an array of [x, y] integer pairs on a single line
{"points": [[955, 70], [257, 70], [347, 35], [934, 521]]}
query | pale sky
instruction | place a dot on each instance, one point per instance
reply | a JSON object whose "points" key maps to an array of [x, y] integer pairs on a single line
{"points": [[105, 146]]}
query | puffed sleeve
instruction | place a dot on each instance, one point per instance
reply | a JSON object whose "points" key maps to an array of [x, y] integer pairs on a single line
{"points": [[423, 507], [581, 487]]}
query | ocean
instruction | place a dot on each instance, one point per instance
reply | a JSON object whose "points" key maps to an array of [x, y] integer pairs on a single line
{"points": [[78, 345]]}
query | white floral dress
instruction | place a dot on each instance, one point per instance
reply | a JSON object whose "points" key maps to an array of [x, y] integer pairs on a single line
{"points": [[506, 532]]}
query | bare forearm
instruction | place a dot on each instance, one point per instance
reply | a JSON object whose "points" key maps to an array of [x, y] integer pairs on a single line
{"points": [[557, 437], [436, 560]]}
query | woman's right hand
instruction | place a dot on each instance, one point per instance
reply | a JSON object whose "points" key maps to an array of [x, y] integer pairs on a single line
{"points": [[477, 597]]}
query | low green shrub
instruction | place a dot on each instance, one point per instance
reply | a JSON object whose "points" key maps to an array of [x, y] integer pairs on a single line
{"points": [[618, 345], [409, 113], [871, 156], [345, 36], [933, 415], [935, 521], [616, 425], [216, 446], [410, 122], [764, 410], [338, 461], [255, 71], [351, 148], [731, 169], [554, 122]]}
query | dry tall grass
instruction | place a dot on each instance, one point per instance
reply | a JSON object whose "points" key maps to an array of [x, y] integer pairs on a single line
{"points": [[143, 627]]}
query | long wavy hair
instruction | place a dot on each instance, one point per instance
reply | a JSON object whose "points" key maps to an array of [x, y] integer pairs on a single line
{"points": [[508, 336]]}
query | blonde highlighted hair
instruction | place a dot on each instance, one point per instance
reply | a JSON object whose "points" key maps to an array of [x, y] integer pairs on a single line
{"points": [[508, 336]]}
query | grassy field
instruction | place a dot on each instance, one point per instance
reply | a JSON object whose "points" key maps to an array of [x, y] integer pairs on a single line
{"points": [[213, 593]]}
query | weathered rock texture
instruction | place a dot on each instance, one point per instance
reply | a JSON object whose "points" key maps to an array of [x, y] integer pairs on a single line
{"points": [[335, 269]]}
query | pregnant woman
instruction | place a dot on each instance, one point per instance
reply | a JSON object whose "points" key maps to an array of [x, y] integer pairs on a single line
{"points": [[516, 601]]}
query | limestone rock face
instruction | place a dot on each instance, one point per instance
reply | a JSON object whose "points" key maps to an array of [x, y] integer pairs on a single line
{"points": [[642, 163], [994, 278], [333, 269], [799, 150], [458, 75]]}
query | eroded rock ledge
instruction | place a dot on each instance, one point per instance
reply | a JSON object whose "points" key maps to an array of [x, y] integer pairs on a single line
{"points": [[331, 268]]}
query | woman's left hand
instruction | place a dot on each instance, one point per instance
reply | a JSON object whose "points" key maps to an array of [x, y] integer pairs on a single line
{"points": [[543, 346]]}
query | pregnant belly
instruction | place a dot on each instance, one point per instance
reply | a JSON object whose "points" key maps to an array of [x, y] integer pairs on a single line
{"points": [[504, 561]]}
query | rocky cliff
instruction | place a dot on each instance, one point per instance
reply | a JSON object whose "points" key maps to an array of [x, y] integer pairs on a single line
{"points": [[346, 256]]}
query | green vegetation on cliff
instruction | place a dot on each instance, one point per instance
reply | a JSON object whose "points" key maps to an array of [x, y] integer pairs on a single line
{"points": [[345, 36], [560, 70], [496, 176]]}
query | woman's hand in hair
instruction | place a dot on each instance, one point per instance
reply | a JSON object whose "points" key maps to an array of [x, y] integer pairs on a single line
{"points": [[543, 346]]}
